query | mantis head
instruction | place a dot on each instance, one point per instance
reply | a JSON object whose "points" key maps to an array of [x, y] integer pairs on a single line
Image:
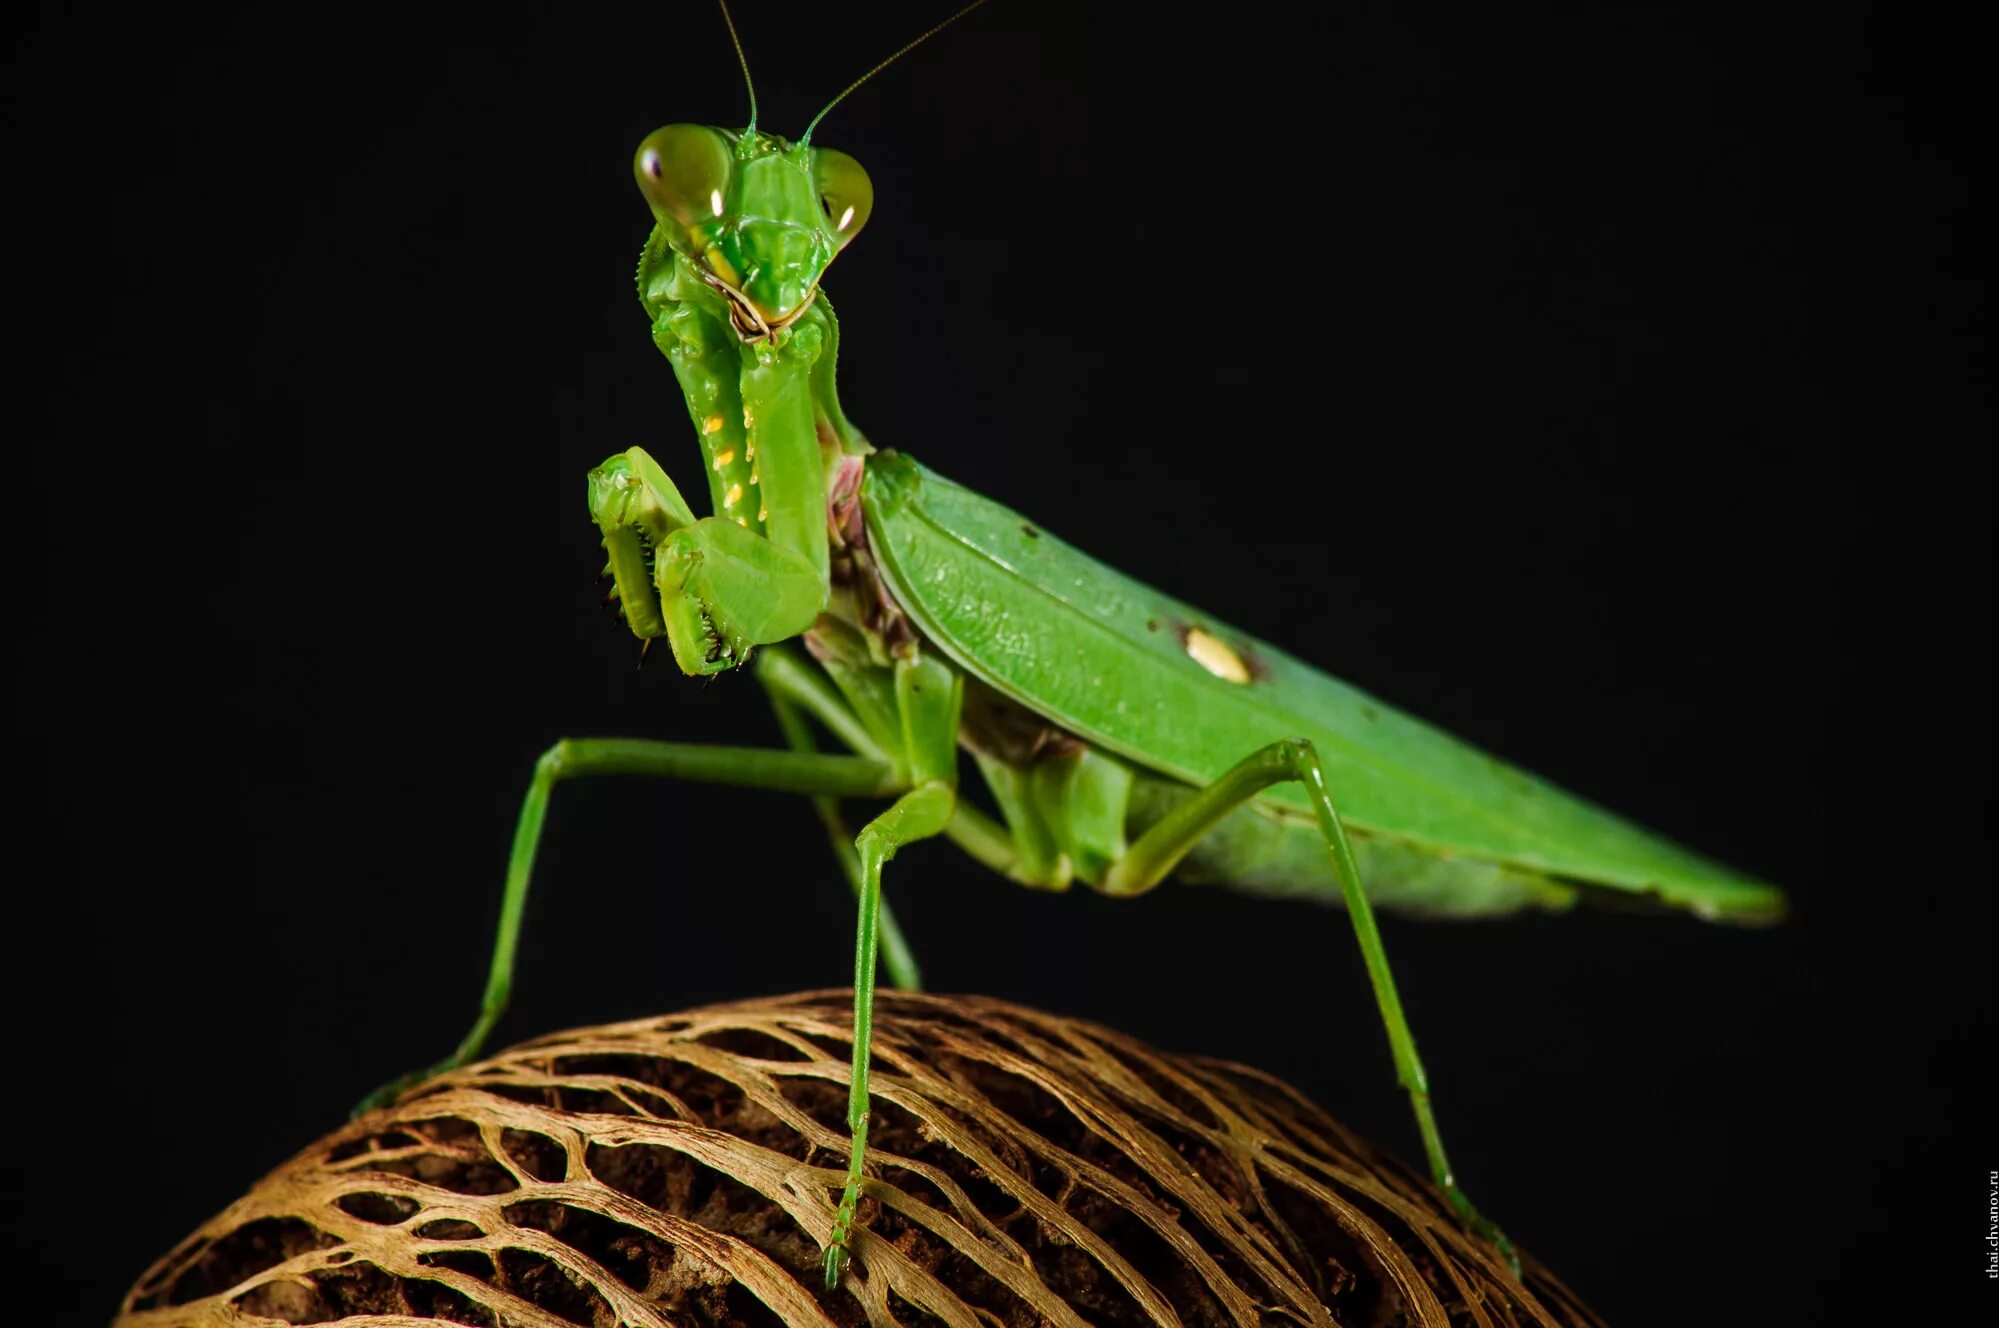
{"points": [[759, 218]]}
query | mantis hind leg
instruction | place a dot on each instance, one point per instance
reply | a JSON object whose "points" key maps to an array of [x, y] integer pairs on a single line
{"points": [[812, 773], [1160, 848]]}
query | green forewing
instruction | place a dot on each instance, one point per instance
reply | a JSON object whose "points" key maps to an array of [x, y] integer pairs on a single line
{"points": [[1106, 657]]}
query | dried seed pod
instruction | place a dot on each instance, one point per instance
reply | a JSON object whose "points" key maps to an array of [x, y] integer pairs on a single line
{"points": [[1025, 1170]]}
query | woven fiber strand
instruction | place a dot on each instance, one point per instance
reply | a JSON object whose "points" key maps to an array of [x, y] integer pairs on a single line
{"points": [[1025, 1169]]}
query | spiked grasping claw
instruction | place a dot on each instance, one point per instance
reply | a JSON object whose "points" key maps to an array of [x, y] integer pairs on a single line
{"points": [[712, 587]]}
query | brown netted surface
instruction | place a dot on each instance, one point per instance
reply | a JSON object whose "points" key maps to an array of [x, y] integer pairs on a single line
{"points": [[1025, 1170]]}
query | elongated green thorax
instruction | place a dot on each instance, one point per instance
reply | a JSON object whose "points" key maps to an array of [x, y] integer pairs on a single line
{"points": [[745, 226]]}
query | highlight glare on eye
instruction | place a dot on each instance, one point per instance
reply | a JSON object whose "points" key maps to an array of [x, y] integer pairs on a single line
{"points": [[683, 170], [844, 192]]}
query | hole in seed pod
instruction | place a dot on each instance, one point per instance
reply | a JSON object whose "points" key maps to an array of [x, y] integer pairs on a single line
{"points": [[1331, 1253], [287, 1302], [661, 1106], [449, 1228], [752, 1043], [1178, 1094], [596, 1101], [245, 1252], [536, 1154], [902, 1311], [629, 1254], [915, 1185], [371, 1143], [541, 1281], [1148, 1252], [661, 1178], [821, 1099], [741, 1307], [1214, 1164], [1020, 1096], [838, 1049], [472, 1263], [360, 1288], [705, 1097], [384, 1210], [525, 1094], [434, 1300], [466, 1168], [1096, 1290]]}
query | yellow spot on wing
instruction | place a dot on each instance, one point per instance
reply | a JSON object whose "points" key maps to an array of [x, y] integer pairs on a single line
{"points": [[713, 424], [1212, 654], [735, 495], [724, 457]]}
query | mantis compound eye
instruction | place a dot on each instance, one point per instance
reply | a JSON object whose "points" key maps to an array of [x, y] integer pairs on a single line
{"points": [[844, 192], [683, 170]]}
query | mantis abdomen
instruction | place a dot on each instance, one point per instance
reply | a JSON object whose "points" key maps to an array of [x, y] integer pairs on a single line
{"points": [[1181, 695]]}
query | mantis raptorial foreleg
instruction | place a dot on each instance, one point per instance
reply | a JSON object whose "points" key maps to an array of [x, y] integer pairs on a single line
{"points": [[1166, 842], [812, 773]]}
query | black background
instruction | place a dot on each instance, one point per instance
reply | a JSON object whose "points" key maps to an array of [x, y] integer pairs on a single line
{"points": [[1599, 383]]}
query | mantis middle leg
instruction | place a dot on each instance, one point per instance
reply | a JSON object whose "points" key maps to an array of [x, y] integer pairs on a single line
{"points": [[918, 814], [928, 699]]}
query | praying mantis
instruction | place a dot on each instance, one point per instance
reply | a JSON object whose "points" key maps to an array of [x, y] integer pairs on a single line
{"points": [[1120, 736]]}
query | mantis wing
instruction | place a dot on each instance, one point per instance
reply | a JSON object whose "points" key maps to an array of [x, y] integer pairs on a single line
{"points": [[1181, 693]]}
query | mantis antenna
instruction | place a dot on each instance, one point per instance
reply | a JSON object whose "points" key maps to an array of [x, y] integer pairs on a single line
{"points": [[744, 61], [806, 137]]}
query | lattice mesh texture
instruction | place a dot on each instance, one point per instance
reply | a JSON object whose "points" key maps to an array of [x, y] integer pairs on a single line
{"points": [[1026, 1170]]}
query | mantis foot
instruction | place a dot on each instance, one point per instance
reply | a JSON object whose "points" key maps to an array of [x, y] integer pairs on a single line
{"points": [[1483, 1227], [394, 1089], [836, 1259], [835, 1263]]}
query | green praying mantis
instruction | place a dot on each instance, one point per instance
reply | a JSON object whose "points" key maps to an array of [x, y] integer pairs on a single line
{"points": [[1122, 736]]}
